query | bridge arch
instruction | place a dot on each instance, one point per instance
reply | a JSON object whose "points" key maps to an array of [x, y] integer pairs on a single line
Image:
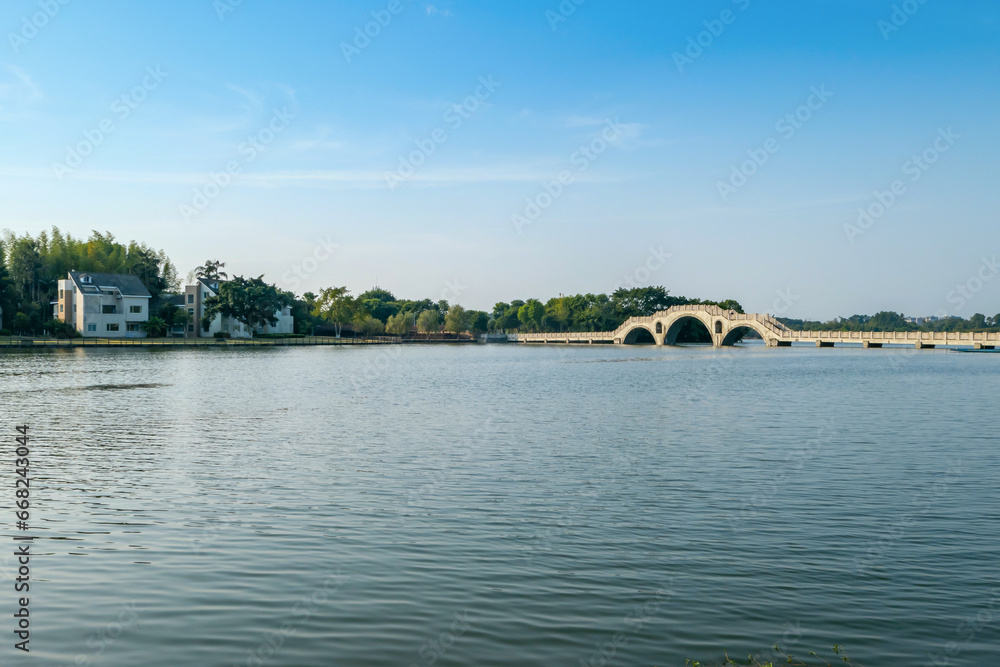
{"points": [[739, 329], [639, 335], [675, 326]]}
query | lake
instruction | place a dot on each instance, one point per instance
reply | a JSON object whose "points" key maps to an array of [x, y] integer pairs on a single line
{"points": [[502, 505]]}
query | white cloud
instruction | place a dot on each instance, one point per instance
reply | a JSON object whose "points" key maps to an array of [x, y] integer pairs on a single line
{"points": [[432, 10], [17, 91]]}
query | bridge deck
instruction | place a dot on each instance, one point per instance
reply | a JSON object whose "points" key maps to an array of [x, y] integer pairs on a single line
{"points": [[728, 327]]}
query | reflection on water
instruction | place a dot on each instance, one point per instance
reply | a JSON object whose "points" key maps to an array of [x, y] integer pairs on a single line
{"points": [[507, 506]]}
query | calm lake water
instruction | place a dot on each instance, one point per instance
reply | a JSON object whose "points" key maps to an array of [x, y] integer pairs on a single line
{"points": [[505, 506]]}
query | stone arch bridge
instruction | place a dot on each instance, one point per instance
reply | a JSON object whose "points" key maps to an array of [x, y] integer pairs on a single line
{"points": [[728, 327]]}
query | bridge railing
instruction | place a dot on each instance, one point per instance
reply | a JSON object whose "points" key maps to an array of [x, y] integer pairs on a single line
{"points": [[902, 336]]}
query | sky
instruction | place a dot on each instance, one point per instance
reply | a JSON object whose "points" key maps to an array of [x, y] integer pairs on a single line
{"points": [[813, 159]]}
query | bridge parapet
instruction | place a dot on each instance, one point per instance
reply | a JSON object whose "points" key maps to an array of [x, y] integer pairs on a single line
{"points": [[728, 327]]}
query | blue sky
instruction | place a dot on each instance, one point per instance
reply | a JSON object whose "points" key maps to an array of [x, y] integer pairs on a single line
{"points": [[311, 129]]}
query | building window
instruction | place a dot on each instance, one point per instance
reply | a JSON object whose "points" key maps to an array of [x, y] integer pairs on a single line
{"points": [[132, 327], [60, 308], [190, 327], [135, 310], [113, 327], [85, 280], [190, 298], [61, 293], [74, 308], [109, 310], [204, 295], [91, 327], [190, 311]]}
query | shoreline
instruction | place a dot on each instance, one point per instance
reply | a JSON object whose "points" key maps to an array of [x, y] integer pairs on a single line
{"points": [[309, 341]]}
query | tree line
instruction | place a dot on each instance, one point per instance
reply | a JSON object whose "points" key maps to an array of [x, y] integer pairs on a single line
{"points": [[891, 321], [378, 311], [30, 268]]}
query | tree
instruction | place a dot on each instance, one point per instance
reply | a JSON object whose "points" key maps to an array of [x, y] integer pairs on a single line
{"points": [[977, 321], [457, 319], [210, 270], [886, 321], [145, 264], [305, 321], [479, 321], [173, 316], [379, 303], [336, 306], [508, 321], [558, 312], [429, 322], [7, 308], [531, 314], [21, 324], [371, 326], [731, 304], [643, 301], [252, 302], [25, 265], [155, 327], [398, 324]]}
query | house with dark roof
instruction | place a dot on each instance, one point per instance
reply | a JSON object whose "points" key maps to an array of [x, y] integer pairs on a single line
{"points": [[105, 305]]}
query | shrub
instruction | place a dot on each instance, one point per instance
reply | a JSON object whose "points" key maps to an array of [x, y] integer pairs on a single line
{"points": [[222, 334]]}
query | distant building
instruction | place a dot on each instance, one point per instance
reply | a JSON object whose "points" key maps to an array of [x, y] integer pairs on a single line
{"points": [[105, 305], [193, 299], [922, 320]]}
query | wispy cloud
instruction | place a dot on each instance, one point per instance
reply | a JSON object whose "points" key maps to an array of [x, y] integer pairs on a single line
{"points": [[17, 91], [448, 177], [432, 10]]}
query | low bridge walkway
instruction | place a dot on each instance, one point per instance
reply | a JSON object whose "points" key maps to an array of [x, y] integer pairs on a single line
{"points": [[728, 327]]}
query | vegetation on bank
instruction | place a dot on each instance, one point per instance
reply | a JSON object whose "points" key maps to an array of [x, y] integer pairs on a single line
{"points": [[379, 311], [30, 268], [890, 321]]}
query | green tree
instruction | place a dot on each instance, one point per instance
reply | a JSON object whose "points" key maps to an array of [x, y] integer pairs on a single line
{"points": [[379, 303], [252, 302], [508, 321], [643, 301], [731, 304], [155, 327], [429, 321], [479, 321], [531, 314], [886, 321], [558, 313], [211, 270], [457, 319], [371, 326], [336, 306], [146, 264], [21, 324], [25, 266], [7, 308], [173, 316], [398, 324]]}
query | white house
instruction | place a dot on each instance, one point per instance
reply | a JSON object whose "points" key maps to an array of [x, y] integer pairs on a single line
{"points": [[194, 299], [104, 305]]}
